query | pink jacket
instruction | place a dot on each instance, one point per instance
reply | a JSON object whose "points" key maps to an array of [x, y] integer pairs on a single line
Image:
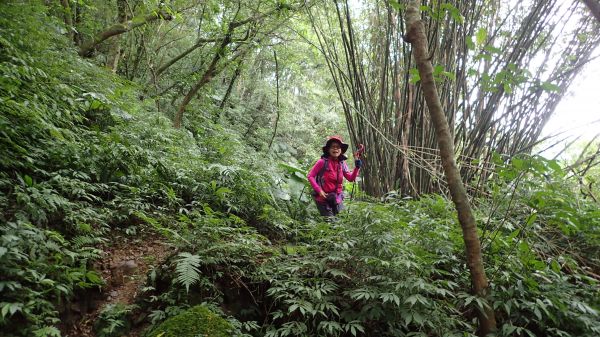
{"points": [[333, 177]]}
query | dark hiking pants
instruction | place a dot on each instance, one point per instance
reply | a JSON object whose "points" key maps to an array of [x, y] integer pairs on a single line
{"points": [[329, 210]]}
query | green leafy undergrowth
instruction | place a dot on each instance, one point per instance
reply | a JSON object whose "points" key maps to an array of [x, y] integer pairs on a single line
{"points": [[41, 269], [218, 254], [82, 157], [365, 275], [114, 320], [540, 236], [197, 321], [50, 208], [390, 269]]}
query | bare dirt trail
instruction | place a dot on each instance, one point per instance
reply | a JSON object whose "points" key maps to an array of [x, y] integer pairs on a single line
{"points": [[124, 269]]}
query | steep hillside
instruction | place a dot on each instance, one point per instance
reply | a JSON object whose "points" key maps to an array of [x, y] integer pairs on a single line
{"points": [[113, 223]]}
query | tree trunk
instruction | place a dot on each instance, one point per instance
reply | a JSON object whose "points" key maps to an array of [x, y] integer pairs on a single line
{"points": [[236, 74], [406, 184], [120, 28], [206, 77], [114, 54], [68, 16], [417, 38], [277, 99], [594, 7]]}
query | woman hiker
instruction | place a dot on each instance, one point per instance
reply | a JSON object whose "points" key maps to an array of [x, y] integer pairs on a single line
{"points": [[327, 176]]}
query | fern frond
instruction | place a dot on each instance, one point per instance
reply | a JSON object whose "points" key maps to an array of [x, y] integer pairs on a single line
{"points": [[86, 240], [47, 331], [187, 269], [90, 253]]}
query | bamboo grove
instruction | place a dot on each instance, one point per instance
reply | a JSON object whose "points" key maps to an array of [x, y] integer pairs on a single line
{"points": [[501, 70]]}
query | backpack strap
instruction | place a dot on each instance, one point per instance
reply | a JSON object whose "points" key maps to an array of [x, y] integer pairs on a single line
{"points": [[320, 179], [320, 176]]}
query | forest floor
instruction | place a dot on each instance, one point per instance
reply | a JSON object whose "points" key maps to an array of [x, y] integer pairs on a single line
{"points": [[124, 268]]}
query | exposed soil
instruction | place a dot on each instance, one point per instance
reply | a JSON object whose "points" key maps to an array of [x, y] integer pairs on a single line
{"points": [[124, 269]]}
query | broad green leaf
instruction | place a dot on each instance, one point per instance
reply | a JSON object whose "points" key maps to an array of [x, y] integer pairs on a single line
{"points": [[418, 318], [550, 87], [414, 76], [10, 308], [454, 12], [47, 282], [531, 219], [554, 165], [94, 277], [493, 50], [470, 43], [408, 317], [481, 36], [555, 266], [508, 329], [396, 5]]}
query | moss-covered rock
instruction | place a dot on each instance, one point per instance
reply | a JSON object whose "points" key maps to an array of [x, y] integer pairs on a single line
{"points": [[197, 321]]}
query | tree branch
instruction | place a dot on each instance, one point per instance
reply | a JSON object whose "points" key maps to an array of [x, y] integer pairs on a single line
{"points": [[186, 52], [277, 99], [120, 28]]}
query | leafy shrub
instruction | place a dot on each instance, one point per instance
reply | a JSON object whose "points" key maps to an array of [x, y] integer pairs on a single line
{"points": [[364, 276], [537, 236], [39, 269], [197, 321], [113, 320], [217, 247]]}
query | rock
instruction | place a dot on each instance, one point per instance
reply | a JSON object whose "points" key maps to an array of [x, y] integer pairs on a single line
{"points": [[120, 270], [75, 307]]}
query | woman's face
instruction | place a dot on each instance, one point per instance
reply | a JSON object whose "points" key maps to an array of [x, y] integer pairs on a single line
{"points": [[335, 149]]}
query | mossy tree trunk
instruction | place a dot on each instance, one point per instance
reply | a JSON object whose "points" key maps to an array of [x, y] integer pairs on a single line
{"points": [[417, 38]]}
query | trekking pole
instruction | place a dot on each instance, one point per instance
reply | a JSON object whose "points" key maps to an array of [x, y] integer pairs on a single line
{"points": [[357, 154], [301, 193]]}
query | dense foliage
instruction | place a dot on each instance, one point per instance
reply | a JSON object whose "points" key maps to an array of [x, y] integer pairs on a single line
{"points": [[87, 156], [193, 322]]}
